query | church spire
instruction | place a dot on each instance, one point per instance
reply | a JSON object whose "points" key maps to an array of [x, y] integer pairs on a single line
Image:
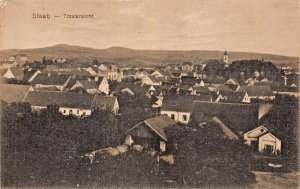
{"points": [[225, 57]]}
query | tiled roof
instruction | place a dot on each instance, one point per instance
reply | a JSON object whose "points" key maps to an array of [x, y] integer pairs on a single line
{"points": [[13, 93], [187, 63], [182, 103], [70, 100], [18, 73], [236, 116], [157, 124], [231, 96], [106, 102], [50, 79], [88, 84], [257, 90]]}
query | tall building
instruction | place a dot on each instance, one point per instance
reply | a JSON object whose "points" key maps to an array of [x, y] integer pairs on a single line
{"points": [[225, 57]]}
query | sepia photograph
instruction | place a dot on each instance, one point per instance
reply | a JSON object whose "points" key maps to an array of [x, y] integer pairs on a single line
{"points": [[149, 94]]}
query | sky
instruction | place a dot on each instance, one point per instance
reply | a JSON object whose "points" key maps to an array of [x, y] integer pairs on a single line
{"points": [[268, 26]]}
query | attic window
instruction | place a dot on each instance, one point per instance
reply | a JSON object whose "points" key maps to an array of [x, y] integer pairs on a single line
{"points": [[262, 130]]}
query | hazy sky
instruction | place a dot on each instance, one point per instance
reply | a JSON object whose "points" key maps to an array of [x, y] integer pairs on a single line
{"points": [[270, 26]]}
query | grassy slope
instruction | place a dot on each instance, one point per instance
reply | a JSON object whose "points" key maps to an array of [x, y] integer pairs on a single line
{"points": [[146, 57]]}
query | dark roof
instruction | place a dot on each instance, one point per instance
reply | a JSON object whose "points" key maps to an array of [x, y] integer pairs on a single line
{"points": [[187, 63], [70, 100], [191, 81], [236, 116], [157, 124], [182, 103], [130, 72], [258, 90], [71, 73], [157, 79], [230, 96], [52, 88], [13, 93], [88, 84], [73, 80], [106, 102], [28, 74], [215, 80], [50, 79], [133, 87]]}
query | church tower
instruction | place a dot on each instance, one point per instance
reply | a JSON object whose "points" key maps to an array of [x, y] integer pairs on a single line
{"points": [[225, 57]]}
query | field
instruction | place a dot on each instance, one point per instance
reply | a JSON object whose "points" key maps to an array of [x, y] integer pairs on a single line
{"points": [[268, 180]]}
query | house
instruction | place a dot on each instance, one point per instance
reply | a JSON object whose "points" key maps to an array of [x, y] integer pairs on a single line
{"points": [[29, 75], [89, 85], [252, 136], [107, 103], [262, 140], [111, 73], [62, 67], [69, 103], [140, 74], [179, 108], [152, 133], [238, 117], [13, 93], [161, 73], [78, 104], [258, 91], [269, 144], [92, 86], [152, 80], [50, 80], [187, 66], [129, 73], [14, 73], [234, 97]]}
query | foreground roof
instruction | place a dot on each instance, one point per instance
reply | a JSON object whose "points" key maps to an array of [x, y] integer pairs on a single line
{"points": [[157, 124], [182, 103], [69, 100], [236, 116], [13, 93], [50, 79]]}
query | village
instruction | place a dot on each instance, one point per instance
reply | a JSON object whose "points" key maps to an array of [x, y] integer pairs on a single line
{"points": [[250, 102]]}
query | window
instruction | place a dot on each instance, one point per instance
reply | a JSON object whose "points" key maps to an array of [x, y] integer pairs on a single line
{"points": [[70, 111], [184, 117], [77, 111], [64, 111], [269, 149], [172, 116]]}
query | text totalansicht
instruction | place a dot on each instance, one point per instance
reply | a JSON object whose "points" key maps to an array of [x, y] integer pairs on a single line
{"points": [[65, 16]]}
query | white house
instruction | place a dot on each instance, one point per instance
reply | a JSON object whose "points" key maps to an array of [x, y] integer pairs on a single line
{"points": [[269, 144], [43, 80], [78, 104], [152, 80], [261, 138], [252, 136], [103, 85], [179, 108]]}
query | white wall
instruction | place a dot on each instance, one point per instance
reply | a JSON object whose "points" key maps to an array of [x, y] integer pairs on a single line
{"points": [[178, 116], [76, 112]]}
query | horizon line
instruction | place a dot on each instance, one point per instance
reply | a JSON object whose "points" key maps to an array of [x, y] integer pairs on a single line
{"points": [[129, 48]]}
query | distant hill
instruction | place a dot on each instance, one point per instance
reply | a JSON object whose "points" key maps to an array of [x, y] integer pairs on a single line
{"points": [[125, 56]]}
